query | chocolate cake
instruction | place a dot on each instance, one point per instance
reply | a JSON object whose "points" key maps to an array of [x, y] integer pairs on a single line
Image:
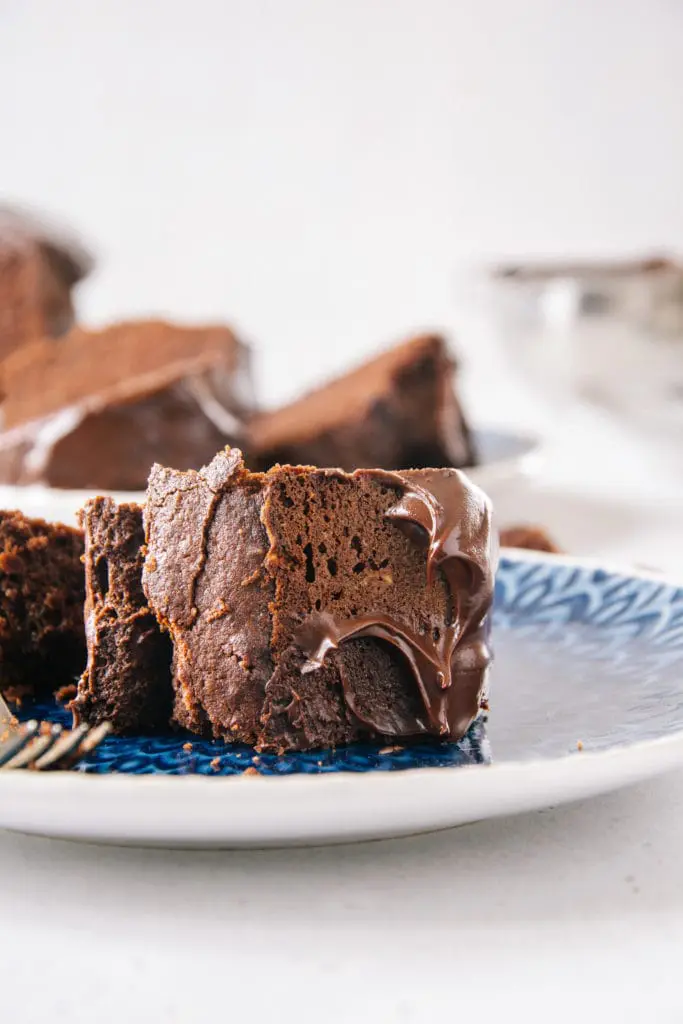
{"points": [[531, 538], [38, 270], [98, 409], [398, 410], [42, 640], [311, 607], [127, 680]]}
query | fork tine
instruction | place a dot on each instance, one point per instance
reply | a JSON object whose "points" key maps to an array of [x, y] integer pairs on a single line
{"points": [[63, 750], [30, 753], [17, 742], [94, 738], [6, 715], [72, 747], [28, 746]]}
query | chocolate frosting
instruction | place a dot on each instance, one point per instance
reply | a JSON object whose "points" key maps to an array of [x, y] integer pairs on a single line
{"points": [[451, 517]]}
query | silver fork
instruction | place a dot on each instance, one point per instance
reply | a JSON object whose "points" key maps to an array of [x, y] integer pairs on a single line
{"points": [[44, 745]]}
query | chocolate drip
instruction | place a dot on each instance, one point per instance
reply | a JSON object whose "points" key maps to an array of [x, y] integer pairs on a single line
{"points": [[454, 519]]}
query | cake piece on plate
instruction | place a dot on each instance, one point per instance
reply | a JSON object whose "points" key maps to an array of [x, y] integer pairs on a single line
{"points": [[311, 607], [399, 410], [42, 640], [127, 680], [531, 538], [98, 409], [38, 271]]}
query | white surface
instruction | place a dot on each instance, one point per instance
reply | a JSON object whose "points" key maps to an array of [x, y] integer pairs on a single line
{"points": [[570, 915]]}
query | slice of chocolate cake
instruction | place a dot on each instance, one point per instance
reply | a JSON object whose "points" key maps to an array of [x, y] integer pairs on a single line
{"points": [[98, 409], [38, 271], [127, 680], [42, 639], [399, 410], [310, 608]]}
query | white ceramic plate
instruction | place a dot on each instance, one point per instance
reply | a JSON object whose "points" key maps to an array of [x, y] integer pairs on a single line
{"points": [[587, 696]]}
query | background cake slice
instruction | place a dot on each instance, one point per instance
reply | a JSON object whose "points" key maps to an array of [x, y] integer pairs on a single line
{"points": [[312, 607], [98, 409], [529, 537], [38, 271], [399, 410], [42, 638], [127, 680]]}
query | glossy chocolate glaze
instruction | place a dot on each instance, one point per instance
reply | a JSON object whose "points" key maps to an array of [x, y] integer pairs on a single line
{"points": [[452, 518]]}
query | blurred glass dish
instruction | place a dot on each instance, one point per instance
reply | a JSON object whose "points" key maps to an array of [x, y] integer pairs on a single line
{"points": [[610, 332], [507, 462]]}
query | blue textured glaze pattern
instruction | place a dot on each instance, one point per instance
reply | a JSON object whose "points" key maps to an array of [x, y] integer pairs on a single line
{"points": [[166, 755], [566, 619]]}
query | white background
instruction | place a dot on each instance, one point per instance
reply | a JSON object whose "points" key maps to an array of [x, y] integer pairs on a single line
{"points": [[318, 172]]}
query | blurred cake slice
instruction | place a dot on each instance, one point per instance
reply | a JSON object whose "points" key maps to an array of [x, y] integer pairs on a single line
{"points": [[42, 638], [98, 409], [528, 537], [399, 410], [39, 268]]}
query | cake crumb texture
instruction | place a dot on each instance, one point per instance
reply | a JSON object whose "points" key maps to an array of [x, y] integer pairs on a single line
{"points": [[127, 679], [42, 636]]}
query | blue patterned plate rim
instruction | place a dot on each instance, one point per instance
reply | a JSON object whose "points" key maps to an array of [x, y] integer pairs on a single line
{"points": [[412, 759]]}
